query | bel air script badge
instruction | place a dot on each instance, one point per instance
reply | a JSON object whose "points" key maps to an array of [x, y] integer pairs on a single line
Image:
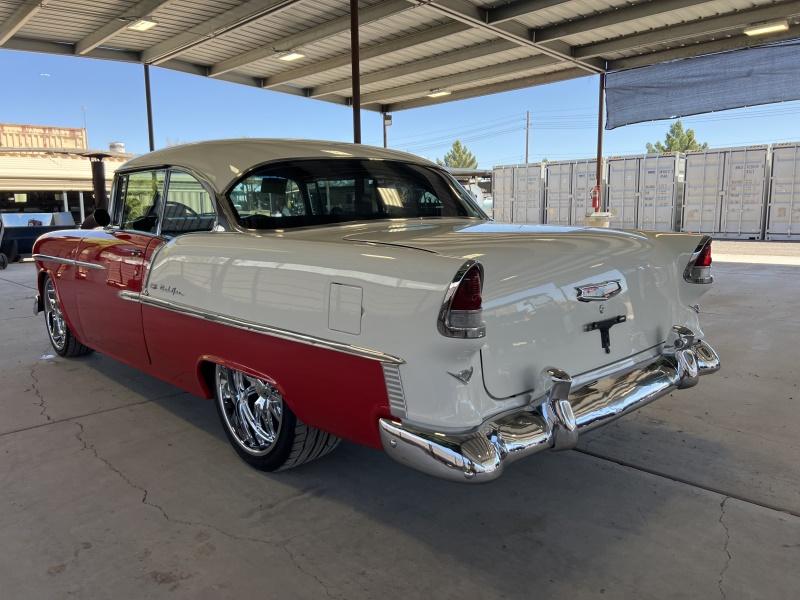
{"points": [[598, 292]]}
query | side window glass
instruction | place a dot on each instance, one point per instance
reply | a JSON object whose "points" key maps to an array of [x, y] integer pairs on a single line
{"points": [[189, 206], [141, 197], [266, 199]]}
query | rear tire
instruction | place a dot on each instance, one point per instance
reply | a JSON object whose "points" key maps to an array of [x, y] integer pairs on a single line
{"points": [[61, 337], [260, 426]]}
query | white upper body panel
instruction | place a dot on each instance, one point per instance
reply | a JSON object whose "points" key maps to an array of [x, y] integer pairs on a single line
{"points": [[400, 270]]}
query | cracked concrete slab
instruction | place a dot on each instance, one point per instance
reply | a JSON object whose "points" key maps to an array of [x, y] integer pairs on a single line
{"points": [[738, 431], [131, 490]]}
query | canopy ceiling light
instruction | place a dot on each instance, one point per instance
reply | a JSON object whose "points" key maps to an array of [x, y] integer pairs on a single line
{"points": [[439, 93], [765, 28], [142, 25], [290, 56]]}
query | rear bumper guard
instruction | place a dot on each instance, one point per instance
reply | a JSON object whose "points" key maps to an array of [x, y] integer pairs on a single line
{"points": [[554, 423]]}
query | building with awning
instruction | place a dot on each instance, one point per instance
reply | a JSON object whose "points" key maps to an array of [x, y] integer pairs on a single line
{"points": [[46, 169]]}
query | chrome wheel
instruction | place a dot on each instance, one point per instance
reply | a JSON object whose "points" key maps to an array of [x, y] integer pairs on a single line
{"points": [[251, 408], [56, 327]]}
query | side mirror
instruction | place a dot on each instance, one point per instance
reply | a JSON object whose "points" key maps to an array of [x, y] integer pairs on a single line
{"points": [[99, 218]]}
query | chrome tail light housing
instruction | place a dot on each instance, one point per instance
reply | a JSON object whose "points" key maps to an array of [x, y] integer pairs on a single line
{"points": [[461, 315], [699, 268]]}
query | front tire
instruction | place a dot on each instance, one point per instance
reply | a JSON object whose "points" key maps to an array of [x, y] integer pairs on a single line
{"points": [[262, 429], [61, 337]]}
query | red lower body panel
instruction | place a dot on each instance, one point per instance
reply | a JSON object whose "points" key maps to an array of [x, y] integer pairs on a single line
{"points": [[342, 394]]}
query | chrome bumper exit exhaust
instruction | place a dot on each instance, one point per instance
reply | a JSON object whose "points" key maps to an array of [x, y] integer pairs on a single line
{"points": [[554, 423]]}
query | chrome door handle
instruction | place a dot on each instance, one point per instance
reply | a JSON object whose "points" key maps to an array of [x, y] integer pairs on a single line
{"points": [[136, 252]]}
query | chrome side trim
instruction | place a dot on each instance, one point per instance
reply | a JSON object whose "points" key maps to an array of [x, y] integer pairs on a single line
{"points": [[69, 261], [555, 422], [394, 389], [245, 325]]}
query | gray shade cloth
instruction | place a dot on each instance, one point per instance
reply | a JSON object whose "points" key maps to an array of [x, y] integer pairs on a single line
{"points": [[759, 75]]}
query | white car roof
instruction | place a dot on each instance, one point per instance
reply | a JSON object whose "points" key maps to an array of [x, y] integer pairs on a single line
{"points": [[222, 162]]}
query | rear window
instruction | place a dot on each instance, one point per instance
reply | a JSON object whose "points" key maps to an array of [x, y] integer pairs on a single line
{"points": [[318, 192]]}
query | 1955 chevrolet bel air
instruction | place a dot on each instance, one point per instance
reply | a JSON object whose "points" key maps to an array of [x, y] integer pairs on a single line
{"points": [[321, 291]]}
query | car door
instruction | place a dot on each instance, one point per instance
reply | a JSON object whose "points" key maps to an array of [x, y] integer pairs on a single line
{"points": [[112, 324]]}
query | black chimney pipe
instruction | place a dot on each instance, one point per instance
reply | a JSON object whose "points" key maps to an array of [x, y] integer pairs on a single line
{"points": [[100, 217], [99, 180]]}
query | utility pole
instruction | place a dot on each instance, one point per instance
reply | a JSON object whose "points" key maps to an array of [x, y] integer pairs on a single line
{"points": [[527, 133]]}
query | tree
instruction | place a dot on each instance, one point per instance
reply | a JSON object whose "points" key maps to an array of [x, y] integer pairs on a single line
{"points": [[677, 140], [459, 157]]}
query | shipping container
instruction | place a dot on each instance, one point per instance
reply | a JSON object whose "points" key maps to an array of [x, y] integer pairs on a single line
{"points": [[528, 194], [661, 180], [744, 200], [725, 192], [502, 193], [568, 192], [584, 178], [783, 222], [558, 193], [622, 196]]}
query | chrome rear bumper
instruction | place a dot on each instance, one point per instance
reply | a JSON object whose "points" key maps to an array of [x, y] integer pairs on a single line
{"points": [[553, 423]]}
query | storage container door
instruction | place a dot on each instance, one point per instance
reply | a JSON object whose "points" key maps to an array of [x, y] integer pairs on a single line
{"points": [[558, 194], [784, 202], [584, 178], [703, 195], [621, 199], [657, 192], [743, 201]]}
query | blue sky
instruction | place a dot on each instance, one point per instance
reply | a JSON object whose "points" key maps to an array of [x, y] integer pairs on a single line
{"points": [[54, 90]]}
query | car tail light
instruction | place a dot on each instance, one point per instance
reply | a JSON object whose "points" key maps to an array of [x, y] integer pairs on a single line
{"points": [[699, 268], [461, 315]]}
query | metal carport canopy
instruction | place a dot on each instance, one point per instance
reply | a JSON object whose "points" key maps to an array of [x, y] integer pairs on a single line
{"points": [[412, 52]]}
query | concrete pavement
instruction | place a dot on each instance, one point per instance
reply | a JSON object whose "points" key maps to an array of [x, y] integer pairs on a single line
{"points": [[114, 484]]}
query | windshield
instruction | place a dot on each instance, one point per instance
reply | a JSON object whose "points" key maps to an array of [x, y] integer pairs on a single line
{"points": [[317, 192]]}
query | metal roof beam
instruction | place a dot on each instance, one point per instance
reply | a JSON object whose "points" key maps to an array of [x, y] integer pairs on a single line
{"points": [[110, 29], [226, 22], [425, 87], [48, 47], [675, 33], [612, 17], [417, 66], [520, 8], [313, 34], [367, 52], [474, 16], [732, 43], [24, 13], [491, 88]]}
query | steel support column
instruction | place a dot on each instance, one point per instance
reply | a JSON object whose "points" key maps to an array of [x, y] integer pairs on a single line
{"points": [[597, 201], [148, 101], [356, 71]]}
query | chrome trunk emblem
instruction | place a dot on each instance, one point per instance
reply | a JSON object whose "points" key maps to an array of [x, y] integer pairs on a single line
{"points": [[598, 292]]}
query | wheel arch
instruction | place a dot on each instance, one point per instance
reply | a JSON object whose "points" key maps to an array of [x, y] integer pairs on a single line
{"points": [[43, 272], [206, 374]]}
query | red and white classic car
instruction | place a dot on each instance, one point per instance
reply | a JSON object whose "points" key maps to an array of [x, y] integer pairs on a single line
{"points": [[321, 291]]}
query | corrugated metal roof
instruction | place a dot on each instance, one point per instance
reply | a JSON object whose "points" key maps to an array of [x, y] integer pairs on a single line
{"points": [[405, 44]]}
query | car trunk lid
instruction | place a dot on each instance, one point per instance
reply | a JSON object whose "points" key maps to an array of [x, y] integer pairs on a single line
{"points": [[572, 298]]}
